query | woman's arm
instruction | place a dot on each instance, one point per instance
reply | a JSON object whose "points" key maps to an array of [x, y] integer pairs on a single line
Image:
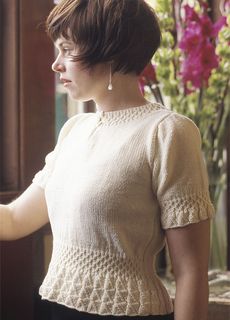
{"points": [[25, 215], [189, 252]]}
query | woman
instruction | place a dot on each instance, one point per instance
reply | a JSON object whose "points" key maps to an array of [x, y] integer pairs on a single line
{"points": [[120, 180]]}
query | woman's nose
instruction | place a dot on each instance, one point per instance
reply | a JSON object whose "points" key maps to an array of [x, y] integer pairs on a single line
{"points": [[57, 66]]}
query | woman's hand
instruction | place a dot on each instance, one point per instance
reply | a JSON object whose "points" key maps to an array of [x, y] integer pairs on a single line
{"points": [[189, 252], [25, 215]]}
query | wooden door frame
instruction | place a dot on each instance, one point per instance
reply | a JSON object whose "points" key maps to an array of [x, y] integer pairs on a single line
{"points": [[26, 117]]}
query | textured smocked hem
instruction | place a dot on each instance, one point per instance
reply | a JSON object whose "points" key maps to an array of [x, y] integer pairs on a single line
{"points": [[185, 209], [106, 297], [103, 292]]}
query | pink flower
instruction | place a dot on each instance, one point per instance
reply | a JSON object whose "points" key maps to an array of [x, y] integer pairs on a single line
{"points": [[208, 59], [191, 70], [206, 26], [190, 14], [191, 38], [204, 5], [197, 68], [148, 76], [149, 73], [209, 29], [202, 24], [222, 21], [196, 43]]}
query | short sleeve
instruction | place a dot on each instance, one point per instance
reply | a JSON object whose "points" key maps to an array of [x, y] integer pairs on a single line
{"points": [[180, 177], [42, 176]]}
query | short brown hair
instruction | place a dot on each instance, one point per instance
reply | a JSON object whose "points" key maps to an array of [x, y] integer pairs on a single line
{"points": [[125, 32]]}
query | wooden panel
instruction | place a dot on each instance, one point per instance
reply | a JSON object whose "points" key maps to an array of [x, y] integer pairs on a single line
{"points": [[27, 134], [16, 280], [8, 196], [9, 109], [37, 88]]}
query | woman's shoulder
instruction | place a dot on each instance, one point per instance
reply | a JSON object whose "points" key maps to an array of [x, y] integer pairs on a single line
{"points": [[172, 121], [169, 115], [165, 126], [72, 122]]}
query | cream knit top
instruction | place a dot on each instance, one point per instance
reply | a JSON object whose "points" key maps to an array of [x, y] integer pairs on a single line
{"points": [[113, 183]]}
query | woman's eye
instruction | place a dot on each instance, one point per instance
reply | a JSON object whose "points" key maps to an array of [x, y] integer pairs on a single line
{"points": [[66, 50]]}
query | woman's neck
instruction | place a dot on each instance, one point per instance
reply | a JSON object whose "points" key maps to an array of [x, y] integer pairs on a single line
{"points": [[125, 94]]}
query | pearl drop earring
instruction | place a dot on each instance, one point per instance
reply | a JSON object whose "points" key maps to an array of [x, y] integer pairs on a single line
{"points": [[110, 86]]}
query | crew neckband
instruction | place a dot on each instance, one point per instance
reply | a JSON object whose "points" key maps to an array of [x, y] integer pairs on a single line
{"points": [[127, 114]]}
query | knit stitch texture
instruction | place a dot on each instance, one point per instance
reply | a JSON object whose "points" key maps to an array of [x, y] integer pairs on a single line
{"points": [[113, 183]]}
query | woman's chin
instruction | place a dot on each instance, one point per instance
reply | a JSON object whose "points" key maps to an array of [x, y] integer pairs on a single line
{"points": [[74, 95], [78, 97]]}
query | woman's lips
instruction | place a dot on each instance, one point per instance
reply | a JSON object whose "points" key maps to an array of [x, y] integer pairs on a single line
{"points": [[65, 82]]}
